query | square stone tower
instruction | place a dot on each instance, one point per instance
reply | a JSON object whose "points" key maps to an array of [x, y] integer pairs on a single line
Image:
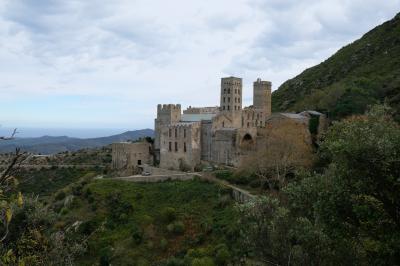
{"points": [[166, 115], [262, 96], [231, 94]]}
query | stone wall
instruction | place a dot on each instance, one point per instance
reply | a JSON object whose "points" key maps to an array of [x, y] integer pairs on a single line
{"points": [[126, 155], [206, 143], [181, 146]]}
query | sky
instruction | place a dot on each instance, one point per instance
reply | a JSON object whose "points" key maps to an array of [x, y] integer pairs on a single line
{"points": [[94, 64]]}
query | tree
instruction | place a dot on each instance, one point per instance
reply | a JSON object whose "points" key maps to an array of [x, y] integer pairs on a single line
{"points": [[8, 183], [284, 150], [346, 214]]}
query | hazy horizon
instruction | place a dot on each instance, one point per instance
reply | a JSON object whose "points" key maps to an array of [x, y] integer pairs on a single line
{"points": [[25, 132]]}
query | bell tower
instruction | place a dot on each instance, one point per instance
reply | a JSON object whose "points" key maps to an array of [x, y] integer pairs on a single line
{"points": [[231, 94]]}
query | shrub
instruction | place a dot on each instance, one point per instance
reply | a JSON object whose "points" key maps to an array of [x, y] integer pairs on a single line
{"points": [[168, 214], [137, 234], [222, 256], [87, 227], [205, 261], [60, 195], [255, 183], [224, 201], [174, 262], [64, 211], [105, 256], [224, 174], [163, 244], [176, 228]]}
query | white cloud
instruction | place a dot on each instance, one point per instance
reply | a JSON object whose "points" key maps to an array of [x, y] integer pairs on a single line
{"points": [[127, 56]]}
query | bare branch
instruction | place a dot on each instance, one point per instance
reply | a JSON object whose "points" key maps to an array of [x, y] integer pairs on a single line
{"points": [[11, 137]]}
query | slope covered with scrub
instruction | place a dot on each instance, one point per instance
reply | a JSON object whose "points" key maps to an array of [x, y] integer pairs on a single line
{"points": [[362, 73]]}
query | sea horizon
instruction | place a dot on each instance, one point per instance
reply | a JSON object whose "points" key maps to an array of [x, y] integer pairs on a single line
{"points": [[31, 132]]}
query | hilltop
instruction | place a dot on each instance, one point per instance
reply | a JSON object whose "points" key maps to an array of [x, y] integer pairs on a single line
{"points": [[51, 145], [364, 72]]}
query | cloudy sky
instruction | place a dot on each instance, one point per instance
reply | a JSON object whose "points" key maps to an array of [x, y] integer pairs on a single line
{"points": [[107, 64]]}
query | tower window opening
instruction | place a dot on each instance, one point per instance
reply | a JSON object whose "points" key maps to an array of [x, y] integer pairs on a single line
{"points": [[229, 91], [184, 147], [229, 99], [228, 107], [224, 99], [170, 146], [176, 146], [176, 132], [184, 132], [169, 132]]}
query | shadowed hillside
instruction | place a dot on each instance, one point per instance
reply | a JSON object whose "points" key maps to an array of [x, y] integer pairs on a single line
{"points": [[362, 73]]}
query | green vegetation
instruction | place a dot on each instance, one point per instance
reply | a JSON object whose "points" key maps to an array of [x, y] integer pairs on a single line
{"points": [[345, 214], [163, 223], [363, 73], [47, 181]]}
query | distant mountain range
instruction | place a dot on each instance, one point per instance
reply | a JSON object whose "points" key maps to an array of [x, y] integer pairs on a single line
{"points": [[52, 145]]}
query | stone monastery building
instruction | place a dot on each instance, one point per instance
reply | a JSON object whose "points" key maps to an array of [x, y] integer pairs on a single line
{"points": [[221, 135]]}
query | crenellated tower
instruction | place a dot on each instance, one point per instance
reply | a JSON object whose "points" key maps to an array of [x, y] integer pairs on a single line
{"points": [[166, 115]]}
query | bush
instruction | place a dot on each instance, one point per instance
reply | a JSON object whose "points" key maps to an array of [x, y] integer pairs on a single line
{"points": [[224, 201], [168, 214], [163, 244], [137, 234], [256, 183], [222, 255], [105, 256], [206, 261], [60, 195], [224, 174], [176, 228], [174, 262], [64, 211]]}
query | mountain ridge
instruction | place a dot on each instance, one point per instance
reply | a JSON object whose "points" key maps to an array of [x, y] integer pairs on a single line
{"points": [[362, 73], [56, 144]]}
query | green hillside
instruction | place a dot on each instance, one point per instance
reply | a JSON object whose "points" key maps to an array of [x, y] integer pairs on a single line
{"points": [[168, 223], [360, 74]]}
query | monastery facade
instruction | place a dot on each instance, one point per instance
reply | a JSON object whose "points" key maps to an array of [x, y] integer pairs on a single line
{"points": [[220, 135]]}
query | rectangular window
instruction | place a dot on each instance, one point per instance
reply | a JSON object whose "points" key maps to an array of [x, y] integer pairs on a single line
{"points": [[228, 107], [224, 99], [176, 132], [184, 147], [170, 146], [176, 146], [229, 99]]}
